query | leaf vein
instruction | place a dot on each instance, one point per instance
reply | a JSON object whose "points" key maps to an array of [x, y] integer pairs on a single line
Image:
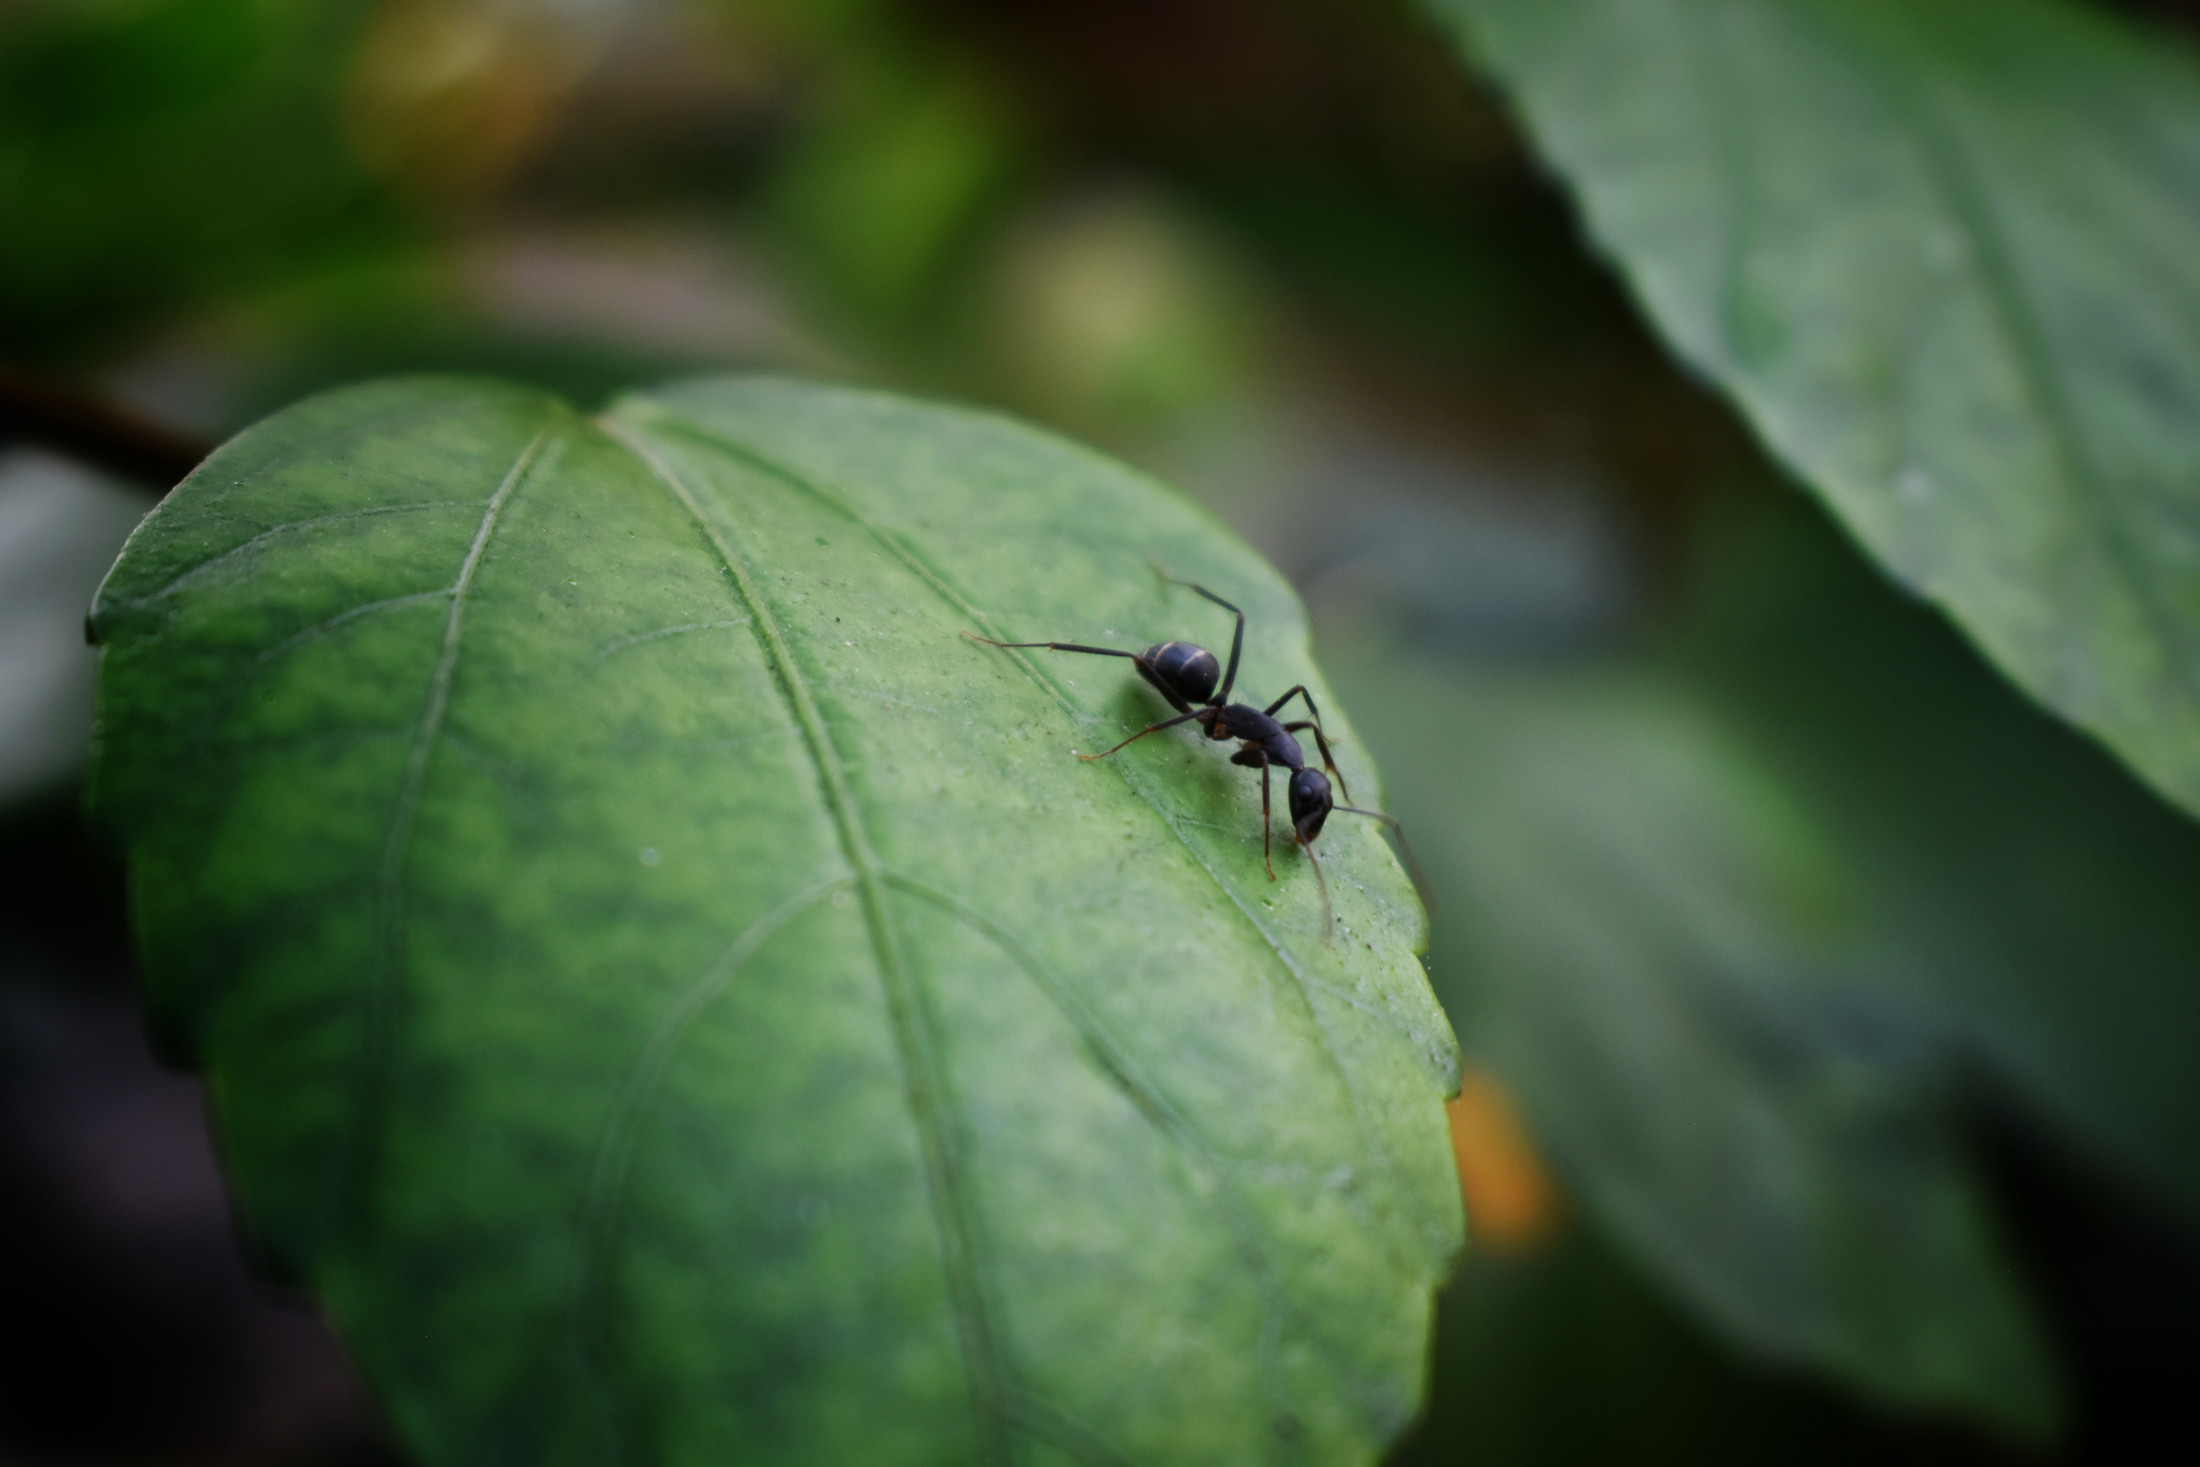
{"points": [[622, 643], [940, 586], [2002, 289], [607, 1177], [380, 1040], [321, 629], [1117, 1062], [287, 527], [924, 1078]]}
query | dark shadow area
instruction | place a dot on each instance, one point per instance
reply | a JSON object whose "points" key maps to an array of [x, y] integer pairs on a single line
{"points": [[132, 1330]]}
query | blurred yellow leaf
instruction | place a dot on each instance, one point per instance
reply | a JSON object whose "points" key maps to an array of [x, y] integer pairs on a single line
{"points": [[449, 97], [1513, 1205]]}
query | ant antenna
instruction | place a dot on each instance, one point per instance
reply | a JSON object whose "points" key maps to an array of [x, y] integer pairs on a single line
{"points": [[1405, 847], [1329, 913]]}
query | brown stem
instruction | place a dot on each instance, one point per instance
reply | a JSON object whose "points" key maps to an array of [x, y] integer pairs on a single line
{"points": [[101, 432]]}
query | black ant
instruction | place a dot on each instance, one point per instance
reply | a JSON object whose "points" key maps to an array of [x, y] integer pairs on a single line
{"points": [[1185, 674]]}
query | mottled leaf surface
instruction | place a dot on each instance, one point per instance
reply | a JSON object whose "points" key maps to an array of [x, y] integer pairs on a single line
{"points": [[1943, 257], [677, 1000]]}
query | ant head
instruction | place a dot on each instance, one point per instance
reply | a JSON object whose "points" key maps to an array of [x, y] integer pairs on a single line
{"points": [[1191, 671], [1310, 803]]}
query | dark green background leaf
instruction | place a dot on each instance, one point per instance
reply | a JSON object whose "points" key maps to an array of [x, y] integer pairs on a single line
{"points": [[1568, 1356], [674, 996], [1758, 925], [157, 154], [1942, 255], [1644, 919]]}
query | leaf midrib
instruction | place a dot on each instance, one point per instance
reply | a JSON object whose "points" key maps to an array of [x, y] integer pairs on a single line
{"points": [[2086, 488], [941, 587], [1306, 983], [1944, 160], [924, 1078], [2014, 321]]}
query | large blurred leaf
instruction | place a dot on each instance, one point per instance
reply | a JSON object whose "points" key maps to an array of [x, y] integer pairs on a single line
{"points": [[877, 198], [1638, 907], [151, 153], [1750, 922], [1943, 256], [676, 999], [2031, 897], [1568, 1356]]}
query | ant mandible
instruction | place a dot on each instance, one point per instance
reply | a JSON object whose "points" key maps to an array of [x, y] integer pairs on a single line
{"points": [[1186, 674]]}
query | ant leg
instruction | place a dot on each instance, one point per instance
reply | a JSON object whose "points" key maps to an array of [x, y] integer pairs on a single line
{"points": [[1237, 639], [1321, 741], [1413, 862], [1329, 913], [1150, 728], [1137, 659], [1322, 744], [1265, 858], [1056, 646]]}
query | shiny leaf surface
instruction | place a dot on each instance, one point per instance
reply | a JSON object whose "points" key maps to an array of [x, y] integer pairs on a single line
{"points": [[1942, 256]]}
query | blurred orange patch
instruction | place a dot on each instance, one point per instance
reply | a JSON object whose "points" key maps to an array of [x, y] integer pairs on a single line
{"points": [[1513, 1203], [449, 97]]}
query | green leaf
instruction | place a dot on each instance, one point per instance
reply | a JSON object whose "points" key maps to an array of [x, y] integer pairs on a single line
{"points": [[1942, 257], [1569, 1356], [1642, 919], [121, 131], [677, 1000], [1755, 924], [2018, 891]]}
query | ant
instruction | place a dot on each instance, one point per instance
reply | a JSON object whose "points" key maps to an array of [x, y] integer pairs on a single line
{"points": [[1186, 675]]}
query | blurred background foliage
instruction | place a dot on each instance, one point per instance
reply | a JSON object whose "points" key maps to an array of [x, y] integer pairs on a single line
{"points": [[1832, 1009]]}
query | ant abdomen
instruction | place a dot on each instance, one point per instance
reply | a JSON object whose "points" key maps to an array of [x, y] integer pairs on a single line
{"points": [[1186, 668]]}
